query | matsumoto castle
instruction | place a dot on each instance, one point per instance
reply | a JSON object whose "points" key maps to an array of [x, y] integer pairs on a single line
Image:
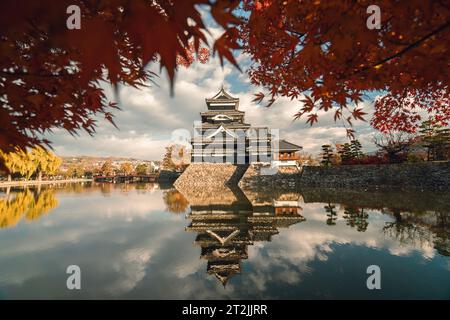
{"points": [[222, 136]]}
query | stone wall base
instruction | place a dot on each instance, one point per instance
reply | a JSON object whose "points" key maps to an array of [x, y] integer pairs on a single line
{"points": [[199, 175], [429, 175], [406, 175]]}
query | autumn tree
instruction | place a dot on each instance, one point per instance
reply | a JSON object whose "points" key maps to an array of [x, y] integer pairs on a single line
{"points": [[77, 170], [307, 159], [45, 161], [12, 162], [167, 163], [50, 75], [72, 171], [126, 168], [323, 54], [27, 163], [176, 157], [107, 168], [89, 169], [141, 169]]}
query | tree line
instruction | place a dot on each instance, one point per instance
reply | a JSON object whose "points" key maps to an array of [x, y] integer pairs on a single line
{"points": [[34, 162], [432, 143], [38, 162], [107, 168], [126, 168]]}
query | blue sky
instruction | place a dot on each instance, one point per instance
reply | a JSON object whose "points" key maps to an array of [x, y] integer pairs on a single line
{"points": [[150, 115]]}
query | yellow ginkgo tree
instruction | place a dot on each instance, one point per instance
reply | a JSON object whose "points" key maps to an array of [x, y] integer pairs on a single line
{"points": [[45, 161], [26, 163]]}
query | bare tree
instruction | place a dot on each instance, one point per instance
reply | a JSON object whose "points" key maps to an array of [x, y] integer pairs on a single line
{"points": [[393, 144]]}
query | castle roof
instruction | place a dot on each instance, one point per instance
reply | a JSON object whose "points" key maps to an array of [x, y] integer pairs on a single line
{"points": [[222, 101]]}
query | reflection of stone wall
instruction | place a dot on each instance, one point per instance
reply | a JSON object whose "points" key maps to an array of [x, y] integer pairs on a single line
{"points": [[267, 196], [418, 175], [210, 196], [404, 200]]}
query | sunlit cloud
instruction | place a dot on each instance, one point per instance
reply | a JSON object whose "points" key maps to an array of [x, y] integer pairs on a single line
{"points": [[149, 115]]}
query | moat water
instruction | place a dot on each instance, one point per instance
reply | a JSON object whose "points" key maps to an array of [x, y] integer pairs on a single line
{"points": [[145, 241]]}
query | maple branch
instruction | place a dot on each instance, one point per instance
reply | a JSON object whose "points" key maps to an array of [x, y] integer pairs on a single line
{"points": [[409, 47], [301, 35], [331, 26]]}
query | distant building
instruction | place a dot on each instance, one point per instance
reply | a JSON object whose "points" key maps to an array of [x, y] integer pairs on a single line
{"points": [[287, 153], [223, 136], [154, 167]]}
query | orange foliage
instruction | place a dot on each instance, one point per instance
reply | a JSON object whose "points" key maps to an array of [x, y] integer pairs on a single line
{"points": [[189, 57], [320, 52], [324, 49], [49, 75]]}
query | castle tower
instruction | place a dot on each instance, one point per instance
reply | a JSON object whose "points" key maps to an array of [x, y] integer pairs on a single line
{"points": [[222, 136]]}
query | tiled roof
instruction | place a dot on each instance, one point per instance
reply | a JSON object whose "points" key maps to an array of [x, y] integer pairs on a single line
{"points": [[284, 145]]}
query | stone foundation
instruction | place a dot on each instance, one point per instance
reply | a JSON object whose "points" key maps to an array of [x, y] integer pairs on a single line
{"points": [[262, 176], [201, 175], [406, 175], [429, 175]]}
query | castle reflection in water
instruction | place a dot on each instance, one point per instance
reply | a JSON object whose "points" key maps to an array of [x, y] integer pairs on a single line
{"points": [[228, 220]]}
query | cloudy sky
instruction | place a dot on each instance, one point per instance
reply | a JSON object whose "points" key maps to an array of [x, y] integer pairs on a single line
{"points": [[149, 116]]}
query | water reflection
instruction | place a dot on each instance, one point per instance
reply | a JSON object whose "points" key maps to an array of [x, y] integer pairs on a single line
{"points": [[419, 229], [28, 204], [356, 218], [175, 201], [227, 222], [252, 243], [331, 214]]}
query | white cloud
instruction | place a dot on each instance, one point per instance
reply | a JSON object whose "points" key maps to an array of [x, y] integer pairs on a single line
{"points": [[150, 114]]}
